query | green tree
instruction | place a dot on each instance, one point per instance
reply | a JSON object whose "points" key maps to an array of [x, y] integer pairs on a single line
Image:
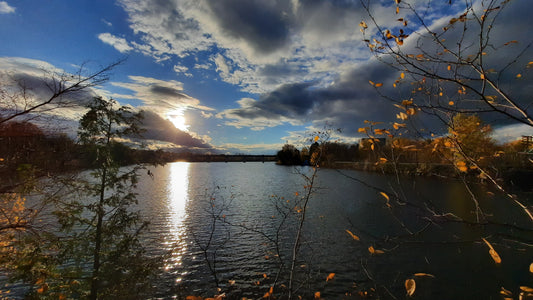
{"points": [[289, 155], [102, 227]]}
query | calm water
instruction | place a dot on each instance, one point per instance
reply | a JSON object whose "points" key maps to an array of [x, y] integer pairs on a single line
{"points": [[182, 197]]}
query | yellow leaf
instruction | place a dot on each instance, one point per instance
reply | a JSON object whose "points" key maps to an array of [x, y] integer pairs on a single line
{"points": [[316, 138], [397, 10], [363, 24], [355, 237], [424, 275], [379, 85], [231, 282], [482, 76], [526, 289], [518, 75], [407, 102], [411, 111], [531, 268], [362, 129], [410, 286], [451, 103], [371, 250], [402, 116], [371, 82], [317, 295], [330, 276], [382, 160], [385, 196]]}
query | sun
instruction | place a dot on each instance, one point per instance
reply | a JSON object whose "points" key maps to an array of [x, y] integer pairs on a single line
{"points": [[178, 120]]}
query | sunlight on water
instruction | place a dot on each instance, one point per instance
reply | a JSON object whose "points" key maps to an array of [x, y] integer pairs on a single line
{"points": [[178, 196]]}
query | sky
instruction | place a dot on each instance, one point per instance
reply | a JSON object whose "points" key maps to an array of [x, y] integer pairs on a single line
{"points": [[225, 76]]}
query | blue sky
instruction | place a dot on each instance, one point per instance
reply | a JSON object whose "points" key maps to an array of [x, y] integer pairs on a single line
{"points": [[235, 75]]}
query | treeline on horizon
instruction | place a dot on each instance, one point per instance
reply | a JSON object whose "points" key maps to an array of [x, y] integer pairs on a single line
{"points": [[24, 147], [433, 157]]}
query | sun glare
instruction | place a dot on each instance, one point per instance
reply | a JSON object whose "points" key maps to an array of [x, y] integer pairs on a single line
{"points": [[178, 120]]}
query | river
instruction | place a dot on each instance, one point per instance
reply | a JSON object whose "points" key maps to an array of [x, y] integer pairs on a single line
{"points": [[181, 199]]}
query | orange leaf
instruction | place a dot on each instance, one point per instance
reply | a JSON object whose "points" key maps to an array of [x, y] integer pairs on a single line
{"points": [[461, 165], [518, 75], [355, 237], [371, 82], [316, 138], [371, 250], [506, 292], [379, 85], [402, 75], [330, 277], [410, 286], [398, 125], [449, 68], [363, 24], [531, 268], [317, 295], [451, 103], [493, 252], [497, 259]]}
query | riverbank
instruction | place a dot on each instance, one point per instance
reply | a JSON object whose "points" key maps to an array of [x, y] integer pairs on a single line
{"points": [[512, 177]]}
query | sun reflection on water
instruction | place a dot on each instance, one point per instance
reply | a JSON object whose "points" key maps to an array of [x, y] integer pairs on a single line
{"points": [[178, 196]]}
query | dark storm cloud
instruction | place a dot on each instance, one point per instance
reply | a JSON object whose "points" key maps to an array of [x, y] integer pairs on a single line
{"points": [[351, 99], [263, 25], [166, 91], [348, 101], [156, 128]]}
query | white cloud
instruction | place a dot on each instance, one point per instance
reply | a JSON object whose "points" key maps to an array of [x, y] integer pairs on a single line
{"points": [[161, 96], [180, 69], [107, 22], [511, 133], [117, 42], [5, 8]]}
